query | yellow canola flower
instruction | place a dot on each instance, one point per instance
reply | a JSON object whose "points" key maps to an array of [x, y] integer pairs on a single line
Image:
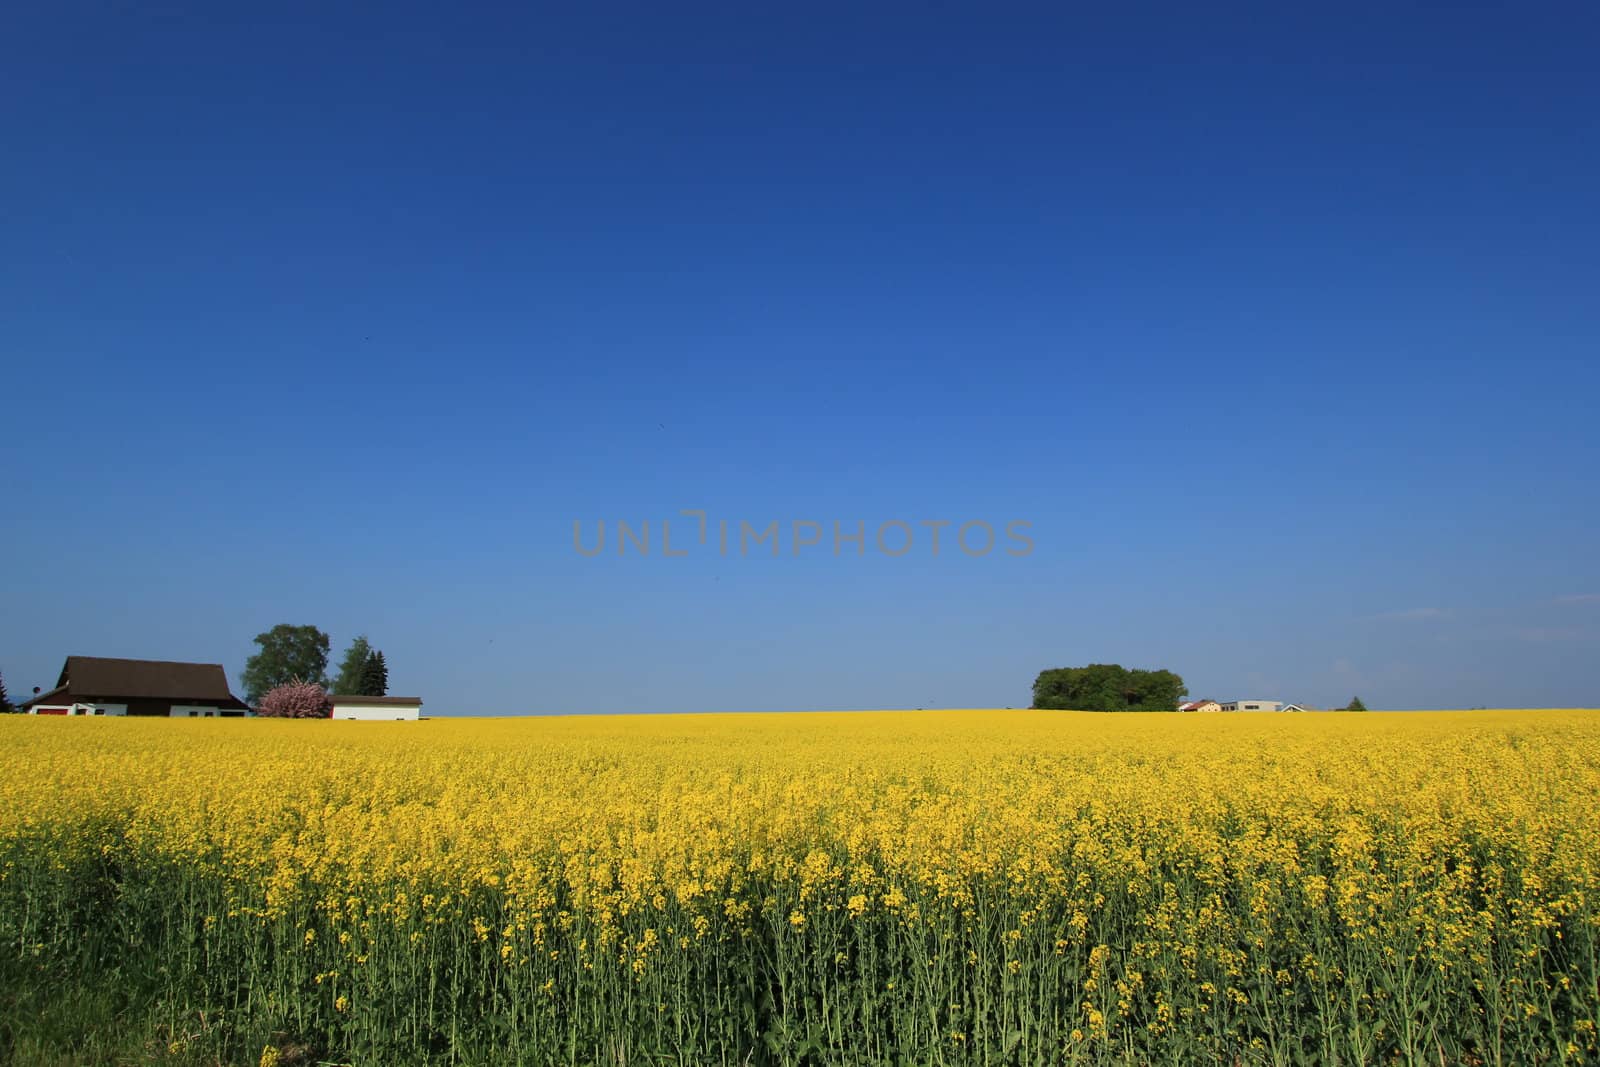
{"points": [[574, 843]]}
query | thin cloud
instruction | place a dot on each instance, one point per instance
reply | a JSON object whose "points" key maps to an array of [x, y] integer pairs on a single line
{"points": [[1545, 635], [1415, 614]]}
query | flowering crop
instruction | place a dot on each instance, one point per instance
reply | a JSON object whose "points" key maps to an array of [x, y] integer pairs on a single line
{"points": [[872, 888]]}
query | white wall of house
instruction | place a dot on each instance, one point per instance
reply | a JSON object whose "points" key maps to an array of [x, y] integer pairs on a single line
{"points": [[193, 711], [1252, 705], [78, 708], [376, 712]]}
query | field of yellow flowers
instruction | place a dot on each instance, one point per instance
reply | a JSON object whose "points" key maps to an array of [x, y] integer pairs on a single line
{"points": [[974, 887]]}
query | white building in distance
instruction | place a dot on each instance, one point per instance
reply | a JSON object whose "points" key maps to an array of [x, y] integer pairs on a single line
{"points": [[375, 708], [1253, 705]]}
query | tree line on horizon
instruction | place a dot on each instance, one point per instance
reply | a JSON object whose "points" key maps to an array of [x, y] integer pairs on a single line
{"points": [[1107, 687], [1113, 687], [298, 656]]}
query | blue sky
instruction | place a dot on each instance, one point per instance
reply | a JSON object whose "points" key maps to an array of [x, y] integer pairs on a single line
{"points": [[1279, 328]]}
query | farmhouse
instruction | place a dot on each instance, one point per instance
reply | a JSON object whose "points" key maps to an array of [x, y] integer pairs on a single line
{"points": [[1252, 705], [1200, 705], [354, 707], [91, 685]]}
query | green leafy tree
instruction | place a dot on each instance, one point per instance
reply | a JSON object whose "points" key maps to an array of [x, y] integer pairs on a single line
{"points": [[1355, 705], [6, 707], [375, 676], [288, 654], [1107, 687], [352, 668]]}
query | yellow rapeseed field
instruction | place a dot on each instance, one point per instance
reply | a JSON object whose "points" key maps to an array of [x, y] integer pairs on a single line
{"points": [[988, 887]]}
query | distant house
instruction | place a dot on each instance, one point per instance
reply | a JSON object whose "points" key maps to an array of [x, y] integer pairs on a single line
{"points": [[91, 685], [1252, 705], [354, 707], [1200, 705], [1300, 707]]}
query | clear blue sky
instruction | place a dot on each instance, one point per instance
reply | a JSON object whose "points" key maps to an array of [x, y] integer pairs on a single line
{"points": [[1280, 329]]}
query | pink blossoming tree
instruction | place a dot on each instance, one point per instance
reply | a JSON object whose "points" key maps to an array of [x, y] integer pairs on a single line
{"points": [[295, 700]]}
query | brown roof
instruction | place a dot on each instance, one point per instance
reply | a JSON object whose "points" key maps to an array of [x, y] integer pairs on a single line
{"points": [[89, 677], [377, 702], [48, 698]]}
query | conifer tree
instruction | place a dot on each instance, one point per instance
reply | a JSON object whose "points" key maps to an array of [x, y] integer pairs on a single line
{"points": [[375, 676], [352, 669]]}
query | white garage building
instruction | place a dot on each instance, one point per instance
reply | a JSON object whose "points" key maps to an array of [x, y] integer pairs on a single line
{"points": [[1252, 705], [376, 708]]}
